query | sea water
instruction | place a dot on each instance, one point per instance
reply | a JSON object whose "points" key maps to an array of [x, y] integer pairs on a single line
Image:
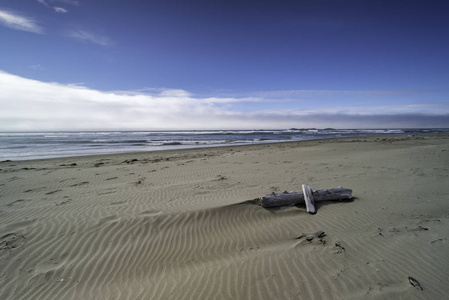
{"points": [[38, 145]]}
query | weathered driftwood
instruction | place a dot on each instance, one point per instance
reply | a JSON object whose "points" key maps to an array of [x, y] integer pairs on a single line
{"points": [[294, 198], [308, 199]]}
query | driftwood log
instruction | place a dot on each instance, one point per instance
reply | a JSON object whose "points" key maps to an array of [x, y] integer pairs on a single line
{"points": [[295, 198], [308, 199]]}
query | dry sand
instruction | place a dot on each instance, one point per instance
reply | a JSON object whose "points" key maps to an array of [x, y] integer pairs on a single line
{"points": [[171, 225]]}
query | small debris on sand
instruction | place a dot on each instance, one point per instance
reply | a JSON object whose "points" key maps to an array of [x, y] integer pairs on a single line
{"points": [[415, 283]]}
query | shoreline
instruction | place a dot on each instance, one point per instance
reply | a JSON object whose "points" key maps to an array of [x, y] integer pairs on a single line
{"points": [[43, 145], [175, 224], [202, 148]]}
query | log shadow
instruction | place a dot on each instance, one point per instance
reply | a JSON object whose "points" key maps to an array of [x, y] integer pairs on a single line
{"points": [[272, 210], [285, 209], [319, 204], [300, 207]]}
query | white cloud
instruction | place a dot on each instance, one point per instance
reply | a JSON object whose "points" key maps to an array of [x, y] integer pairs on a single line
{"points": [[18, 22], [43, 2], [70, 2], [60, 10], [36, 67], [34, 105], [83, 35]]}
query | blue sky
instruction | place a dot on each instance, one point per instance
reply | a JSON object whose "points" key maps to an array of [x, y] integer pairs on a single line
{"points": [[79, 65]]}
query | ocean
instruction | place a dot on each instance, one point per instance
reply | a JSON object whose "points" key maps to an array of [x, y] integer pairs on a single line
{"points": [[40, 145]]}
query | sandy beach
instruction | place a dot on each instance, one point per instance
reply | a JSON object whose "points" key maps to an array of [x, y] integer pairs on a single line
{"points": [[177, 224]]}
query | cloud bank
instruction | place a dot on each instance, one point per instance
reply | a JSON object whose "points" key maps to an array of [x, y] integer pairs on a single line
{"points": [[18, 22], [31, 105]]}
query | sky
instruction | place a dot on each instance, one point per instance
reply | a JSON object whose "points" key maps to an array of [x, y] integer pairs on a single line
{"points": [[178, 64]]}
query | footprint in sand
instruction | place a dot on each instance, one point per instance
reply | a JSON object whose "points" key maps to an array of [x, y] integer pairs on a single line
{"points": [[80, 184], [53, 192], [107, 191], [394, 230], [11, 241], [35, 190], [19, 202]]}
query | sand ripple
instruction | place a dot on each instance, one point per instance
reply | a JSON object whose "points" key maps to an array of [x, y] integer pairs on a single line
{"points": [[178, 227]]}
